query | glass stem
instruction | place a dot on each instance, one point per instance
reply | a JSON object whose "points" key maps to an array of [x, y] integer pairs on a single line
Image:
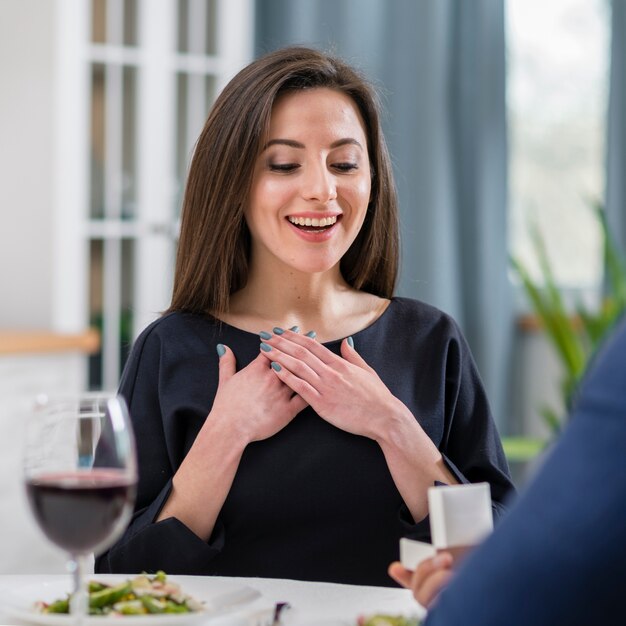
{"points": [[79, 600]]}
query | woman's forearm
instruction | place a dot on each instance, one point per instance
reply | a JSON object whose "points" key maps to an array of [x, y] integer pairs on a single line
{"points": [[413, 459], [204, 478]]}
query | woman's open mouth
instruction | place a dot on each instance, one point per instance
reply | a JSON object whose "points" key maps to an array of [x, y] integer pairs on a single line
{"points": [[313, 224]]}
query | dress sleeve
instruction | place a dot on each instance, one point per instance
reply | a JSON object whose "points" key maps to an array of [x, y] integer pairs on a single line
{"points": [[470, 444], [147, 545]]}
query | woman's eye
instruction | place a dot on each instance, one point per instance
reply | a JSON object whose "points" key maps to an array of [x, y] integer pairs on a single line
{"points": [[283, 167], [345, 167]]}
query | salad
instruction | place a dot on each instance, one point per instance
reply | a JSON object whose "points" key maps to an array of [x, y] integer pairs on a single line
{"points": [[141, 595]]}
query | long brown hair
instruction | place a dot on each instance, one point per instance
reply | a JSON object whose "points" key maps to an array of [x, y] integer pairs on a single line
{"points": [[214, 245]]}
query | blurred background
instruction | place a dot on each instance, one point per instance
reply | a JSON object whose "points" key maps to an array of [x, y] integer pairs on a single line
{"points": [[501, 116]]}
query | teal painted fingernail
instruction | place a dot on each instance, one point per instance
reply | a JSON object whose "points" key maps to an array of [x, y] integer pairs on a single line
{"points": [[221, 350], [265, 335], [278, 330], [350, 342], [265, 347], [295, 329], [276, 367], [311, 334]]}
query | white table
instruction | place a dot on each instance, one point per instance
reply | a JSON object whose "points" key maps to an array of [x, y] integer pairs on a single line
{"points": [[312, 604]]}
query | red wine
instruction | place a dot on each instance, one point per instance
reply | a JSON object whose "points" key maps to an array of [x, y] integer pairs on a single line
{"points": [[82, 511]]}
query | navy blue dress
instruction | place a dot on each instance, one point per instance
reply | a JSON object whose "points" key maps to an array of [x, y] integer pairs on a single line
{"points": [[559, 556], [312, 502]]}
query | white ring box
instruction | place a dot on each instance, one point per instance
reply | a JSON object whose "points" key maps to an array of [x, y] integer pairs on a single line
{"points": [[460, 516]]}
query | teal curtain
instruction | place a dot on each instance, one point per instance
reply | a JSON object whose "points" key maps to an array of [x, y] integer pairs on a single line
{"points": [[440, 66], [616, 128]]}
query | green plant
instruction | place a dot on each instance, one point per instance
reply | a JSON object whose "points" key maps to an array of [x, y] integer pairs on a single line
{"points": [[574, 335]]}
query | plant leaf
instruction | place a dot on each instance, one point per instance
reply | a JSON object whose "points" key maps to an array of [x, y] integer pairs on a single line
{"points": [[557, 324], [522, 449], [575, 338], [552, 419], [614, 261]]}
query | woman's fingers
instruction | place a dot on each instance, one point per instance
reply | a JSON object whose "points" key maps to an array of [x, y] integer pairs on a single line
{"points": [[306, 350], [346, 393], [254, 400], [299, 346], [298, 366], [300, 387], [227, 362], [349, 353]]}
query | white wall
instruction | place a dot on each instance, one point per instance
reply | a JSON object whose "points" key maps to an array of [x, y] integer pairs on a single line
{"points": [[23, 547], [27, 95], [26, 148]]}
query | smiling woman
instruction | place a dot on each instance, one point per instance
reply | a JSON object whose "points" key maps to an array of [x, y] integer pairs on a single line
{"points": [[290, 454], [314, 167]]}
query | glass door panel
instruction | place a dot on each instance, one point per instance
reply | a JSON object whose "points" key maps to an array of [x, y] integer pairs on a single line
{"points": [[154, 68]]}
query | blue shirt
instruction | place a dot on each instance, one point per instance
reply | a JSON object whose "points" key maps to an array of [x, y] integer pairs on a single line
{"points": [[559, 556]]}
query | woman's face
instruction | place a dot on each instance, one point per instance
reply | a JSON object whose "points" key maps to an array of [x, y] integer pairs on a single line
{"points": [[311, 183]]}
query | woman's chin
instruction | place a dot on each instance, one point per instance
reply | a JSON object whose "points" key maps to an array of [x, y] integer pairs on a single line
{"points": [[313, 265]]}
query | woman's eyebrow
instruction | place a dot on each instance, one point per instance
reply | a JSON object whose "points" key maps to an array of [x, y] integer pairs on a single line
{"points": [[284, 142], [296, 144], [346, 141]]}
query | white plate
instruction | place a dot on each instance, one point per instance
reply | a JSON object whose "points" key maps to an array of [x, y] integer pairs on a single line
{"points": [[219, 597]]}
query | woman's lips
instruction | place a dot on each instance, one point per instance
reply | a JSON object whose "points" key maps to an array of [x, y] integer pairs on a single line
{"points": [[315, 220], [312, 233]]}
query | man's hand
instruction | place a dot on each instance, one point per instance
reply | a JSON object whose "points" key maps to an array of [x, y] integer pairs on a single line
{"points": [[428, 579]]}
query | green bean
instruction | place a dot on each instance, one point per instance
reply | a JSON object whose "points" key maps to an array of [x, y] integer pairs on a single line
{"points": [[175, 607], [152, 605], [59, 606], [109, 595]]}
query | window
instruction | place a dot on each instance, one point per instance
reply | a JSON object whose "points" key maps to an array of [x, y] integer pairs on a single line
{"points": [[140, 77], [558, 62]]}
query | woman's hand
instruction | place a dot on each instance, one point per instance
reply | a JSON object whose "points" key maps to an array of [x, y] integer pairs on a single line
{"points": [[249, 405], [428, 579], [253, 400], [346, 392]]}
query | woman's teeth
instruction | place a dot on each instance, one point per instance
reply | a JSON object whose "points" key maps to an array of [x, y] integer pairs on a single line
{"points": [[313, 221]]}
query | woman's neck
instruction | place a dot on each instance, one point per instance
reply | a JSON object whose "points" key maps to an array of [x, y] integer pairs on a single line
{"points": [[275, 295], [292, 298]]}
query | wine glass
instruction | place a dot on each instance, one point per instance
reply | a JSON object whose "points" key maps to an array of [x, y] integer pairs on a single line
{"points": [[80, 471]]}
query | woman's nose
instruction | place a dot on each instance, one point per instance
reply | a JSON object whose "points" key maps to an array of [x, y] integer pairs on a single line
{"points": [[319, 184]]}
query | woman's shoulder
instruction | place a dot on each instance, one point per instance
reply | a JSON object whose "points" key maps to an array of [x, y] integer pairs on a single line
{"points": [[175, 326], [173, 320], [426, 327], [412, 312]]}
